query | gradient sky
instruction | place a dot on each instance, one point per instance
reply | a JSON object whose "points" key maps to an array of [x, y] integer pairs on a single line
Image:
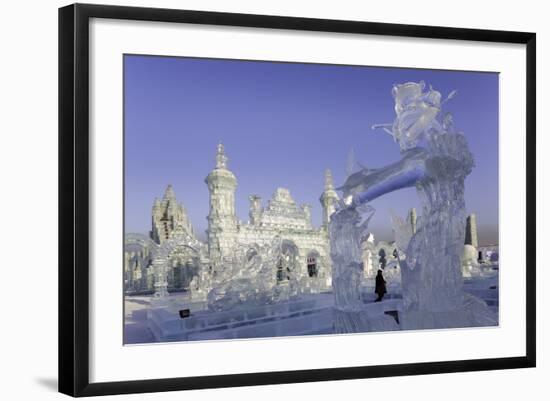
{"points": [[282, 125]]}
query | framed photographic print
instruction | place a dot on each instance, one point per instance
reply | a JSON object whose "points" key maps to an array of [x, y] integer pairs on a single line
{"points": [[279, 194]]}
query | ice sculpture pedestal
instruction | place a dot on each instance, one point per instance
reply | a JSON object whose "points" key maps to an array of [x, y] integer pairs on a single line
{"points": [[474, 313], [371, 317], [418, 320]]}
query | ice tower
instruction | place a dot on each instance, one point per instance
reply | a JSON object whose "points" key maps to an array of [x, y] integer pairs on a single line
{"points": [[222, 222], [471, 231], [166, 216], [328, 199]]}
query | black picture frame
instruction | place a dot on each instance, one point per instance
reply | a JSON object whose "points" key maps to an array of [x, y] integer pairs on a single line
{"points": [[74, 198]]}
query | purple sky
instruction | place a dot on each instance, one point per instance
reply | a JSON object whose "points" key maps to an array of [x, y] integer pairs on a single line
{"points": [[282, 125]]}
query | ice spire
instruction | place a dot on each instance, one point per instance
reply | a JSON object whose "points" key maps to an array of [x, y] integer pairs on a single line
{"points": [[221, 158], [169, 193], [471, 231], [328, 199], [329, 183]]}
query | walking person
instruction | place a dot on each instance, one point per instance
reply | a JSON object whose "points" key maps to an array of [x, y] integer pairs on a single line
{"points": [[380, 288]]}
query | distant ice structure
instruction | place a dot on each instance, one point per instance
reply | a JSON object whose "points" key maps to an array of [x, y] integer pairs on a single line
{"points": [[436, 160], [403, 231], [369, 269], [470, 265]]}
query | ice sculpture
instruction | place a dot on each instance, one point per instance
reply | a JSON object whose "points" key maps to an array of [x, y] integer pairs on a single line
{"points": [[436, 160], [252, 276], [348, 229]]}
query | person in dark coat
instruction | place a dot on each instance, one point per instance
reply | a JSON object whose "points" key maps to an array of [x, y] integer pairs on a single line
{"points": [[380, 288]]}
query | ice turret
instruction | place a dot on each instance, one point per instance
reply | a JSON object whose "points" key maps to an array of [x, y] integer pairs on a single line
{"points": [[167, 215], [169, 194], [222, 221], [255, 208], [471, 231], [328, 199]]}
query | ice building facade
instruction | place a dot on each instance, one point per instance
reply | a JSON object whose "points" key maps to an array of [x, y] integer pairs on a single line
{"points": [[172, 256]]}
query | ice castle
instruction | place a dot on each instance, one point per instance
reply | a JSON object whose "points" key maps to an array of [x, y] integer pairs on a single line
{"points": [[305, 254]]}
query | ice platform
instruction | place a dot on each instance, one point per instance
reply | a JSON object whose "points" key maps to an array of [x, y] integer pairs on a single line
{"points": [[307, 315], [312, 314]]}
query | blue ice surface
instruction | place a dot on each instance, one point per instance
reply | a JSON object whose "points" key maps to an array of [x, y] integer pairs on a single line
{"points": [[404, 179]]}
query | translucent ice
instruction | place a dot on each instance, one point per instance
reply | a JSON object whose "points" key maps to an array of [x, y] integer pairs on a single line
{"points": [[348, 229], [403, 232], [435, 159], [416, 113], [253, 276], [470, 265]]}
